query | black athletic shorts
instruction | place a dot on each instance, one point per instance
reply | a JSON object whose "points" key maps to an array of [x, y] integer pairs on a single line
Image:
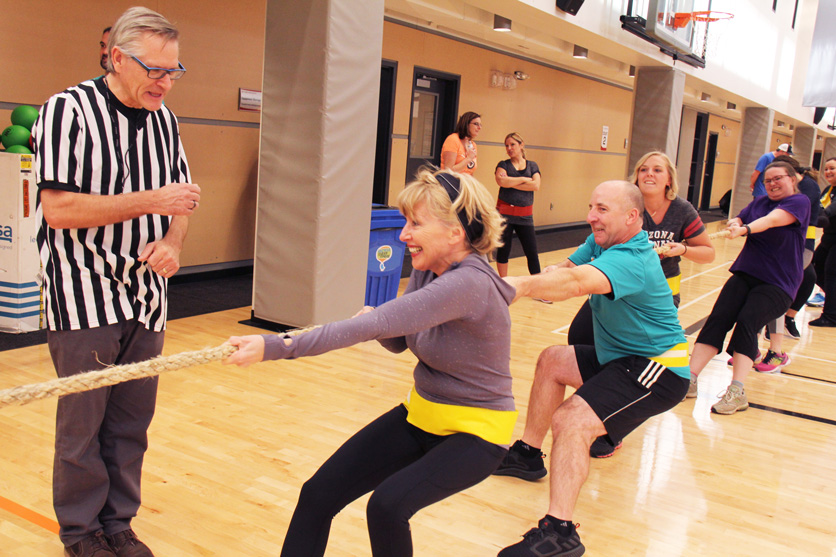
{"points": [[627, 391]]}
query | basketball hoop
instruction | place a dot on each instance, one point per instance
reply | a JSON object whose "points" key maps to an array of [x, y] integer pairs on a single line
{"points": [[680, 20], [702, 43]]}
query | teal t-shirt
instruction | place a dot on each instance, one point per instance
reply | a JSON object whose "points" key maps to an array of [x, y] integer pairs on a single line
{"points": [[638, 317]]}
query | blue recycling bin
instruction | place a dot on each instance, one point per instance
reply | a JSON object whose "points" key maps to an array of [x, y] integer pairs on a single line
{"points": [[386, 254]]}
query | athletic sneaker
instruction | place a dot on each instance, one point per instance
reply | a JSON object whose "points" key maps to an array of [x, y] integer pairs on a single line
{"points": [[692, 389], [94, 545], [790, 329], [602, 448], [733, 400], [816, 301], [822, 322], [544, 541], [126, 544], [518, 465], [772, 362]]}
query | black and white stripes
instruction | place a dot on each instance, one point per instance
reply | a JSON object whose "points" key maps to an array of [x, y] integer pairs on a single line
{"points": [[651, 373], [87, 142]]}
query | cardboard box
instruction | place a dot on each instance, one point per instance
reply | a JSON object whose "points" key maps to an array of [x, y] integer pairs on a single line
{"points": [[21, 301]]}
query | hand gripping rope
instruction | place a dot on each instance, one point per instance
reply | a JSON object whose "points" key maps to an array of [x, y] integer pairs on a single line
{"points": [[662, 250], [90, 380]]}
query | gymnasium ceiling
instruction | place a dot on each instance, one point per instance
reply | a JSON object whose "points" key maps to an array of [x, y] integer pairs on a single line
{"points": [[551, 39]]}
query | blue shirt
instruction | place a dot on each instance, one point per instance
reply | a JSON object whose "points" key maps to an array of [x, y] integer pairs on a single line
{"points": [[763, 162], [638, 317]]}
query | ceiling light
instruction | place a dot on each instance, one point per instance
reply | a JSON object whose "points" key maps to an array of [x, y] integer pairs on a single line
{"points": [[522, 76], [705, 97], [580, 52], [731, 106], [502, 24]]}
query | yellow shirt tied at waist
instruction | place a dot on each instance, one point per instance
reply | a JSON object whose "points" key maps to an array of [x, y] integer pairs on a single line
{"points": [[494, 426], [676, 357]]}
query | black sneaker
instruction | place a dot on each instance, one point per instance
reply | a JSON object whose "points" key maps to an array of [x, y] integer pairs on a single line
{"points": [[520, 466], [602, 448], [94, 545], [822, 322], [544, 541], [790, 329]]}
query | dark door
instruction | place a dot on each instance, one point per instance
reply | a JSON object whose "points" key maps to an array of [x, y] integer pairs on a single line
{"points": [[434, 111], [697, 158], [385, 117], [708, 178]]}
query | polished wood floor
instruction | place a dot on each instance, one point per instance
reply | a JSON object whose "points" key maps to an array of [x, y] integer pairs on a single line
{"points": [[229, 449]]}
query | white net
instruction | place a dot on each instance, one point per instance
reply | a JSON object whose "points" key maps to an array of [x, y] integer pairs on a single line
{"points": [[708, 33]]}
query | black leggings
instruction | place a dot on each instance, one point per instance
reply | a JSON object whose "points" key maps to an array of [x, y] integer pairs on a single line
{"points": [[407, 468], [747, 304], [528, 240], [824, 261], [808, 282]]}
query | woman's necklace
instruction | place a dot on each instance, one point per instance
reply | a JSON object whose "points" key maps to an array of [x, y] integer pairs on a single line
{"points": [[662, 206]]}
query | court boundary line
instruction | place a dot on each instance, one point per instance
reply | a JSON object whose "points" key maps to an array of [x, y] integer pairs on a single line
{"points": [[793, 413], [29, 515]]}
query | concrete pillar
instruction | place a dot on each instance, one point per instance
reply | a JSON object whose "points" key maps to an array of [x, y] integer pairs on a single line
{"points": [[318, 127], [804, 145], [755, 138], [829, 151], [657, 111]]}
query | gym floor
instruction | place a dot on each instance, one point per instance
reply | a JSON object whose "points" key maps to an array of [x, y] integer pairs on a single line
{"points": [[230, 448]]}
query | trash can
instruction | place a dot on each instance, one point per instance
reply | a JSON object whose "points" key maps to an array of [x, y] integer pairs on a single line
{"points": [[21, 307], [386, 254]]}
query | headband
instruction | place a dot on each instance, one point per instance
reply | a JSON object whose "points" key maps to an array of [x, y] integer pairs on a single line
{"points": [[452, 186]]}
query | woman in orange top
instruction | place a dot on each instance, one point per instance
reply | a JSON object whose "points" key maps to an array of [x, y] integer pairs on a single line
{"points": [[458, 153]]}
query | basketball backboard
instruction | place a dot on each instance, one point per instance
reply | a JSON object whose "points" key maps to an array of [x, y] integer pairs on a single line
{"points": [[663, 24]]}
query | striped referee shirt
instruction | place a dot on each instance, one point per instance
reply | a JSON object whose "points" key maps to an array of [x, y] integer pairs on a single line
{"points": [[86, 141]]}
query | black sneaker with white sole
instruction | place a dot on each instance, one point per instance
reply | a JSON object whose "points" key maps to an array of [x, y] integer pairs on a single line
{"points": [[790, 328]]}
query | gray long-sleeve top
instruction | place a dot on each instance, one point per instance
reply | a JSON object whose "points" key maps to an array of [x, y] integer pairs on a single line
{"points": [[457, 324]]}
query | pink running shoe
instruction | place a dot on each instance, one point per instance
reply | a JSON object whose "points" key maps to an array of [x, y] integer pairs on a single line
{"points": [[772, 362]]}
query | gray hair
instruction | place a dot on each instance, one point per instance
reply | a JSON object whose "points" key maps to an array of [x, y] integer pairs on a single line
{"points": [[131, 28]]}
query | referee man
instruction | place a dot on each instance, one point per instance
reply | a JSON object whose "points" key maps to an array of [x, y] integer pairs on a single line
{"points": [[114, 202]]}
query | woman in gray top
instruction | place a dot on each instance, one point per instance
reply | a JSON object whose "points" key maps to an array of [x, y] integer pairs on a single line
{"points": [[453, 429]]}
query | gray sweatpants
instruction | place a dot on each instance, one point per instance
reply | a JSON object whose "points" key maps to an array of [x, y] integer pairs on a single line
{"points": [[101, 435]]}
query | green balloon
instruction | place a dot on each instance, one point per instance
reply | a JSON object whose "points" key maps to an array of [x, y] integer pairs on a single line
{"points": [[19, 149], [25, 116], [15, 135]]}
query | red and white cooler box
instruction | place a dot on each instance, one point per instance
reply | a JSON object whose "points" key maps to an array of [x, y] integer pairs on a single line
{"points": [[21, 307]]}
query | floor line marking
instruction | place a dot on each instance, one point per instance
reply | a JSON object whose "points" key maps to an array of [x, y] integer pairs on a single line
{"points": [[711, 270], [29, 515]]}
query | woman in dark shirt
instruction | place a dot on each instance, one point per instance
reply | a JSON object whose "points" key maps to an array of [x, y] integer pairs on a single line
{"points": [[518, 179]]}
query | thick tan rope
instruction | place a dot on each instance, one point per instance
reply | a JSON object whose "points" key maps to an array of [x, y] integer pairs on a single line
{"points": [[661, 250], [90, 380], [112, 375]]}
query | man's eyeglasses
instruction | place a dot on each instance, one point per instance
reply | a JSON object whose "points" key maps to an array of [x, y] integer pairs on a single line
{"points": [[159, 73], [770, 181]]}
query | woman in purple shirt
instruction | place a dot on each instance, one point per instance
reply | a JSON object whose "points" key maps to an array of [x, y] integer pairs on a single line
{"points": [[454, 427], [765, 278]]}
